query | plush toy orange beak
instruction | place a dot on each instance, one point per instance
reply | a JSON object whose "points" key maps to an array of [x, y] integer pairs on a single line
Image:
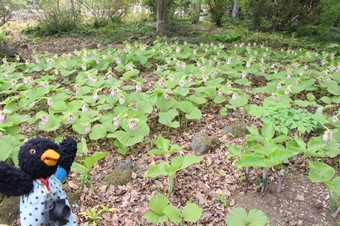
{"points": [[50, 157]]}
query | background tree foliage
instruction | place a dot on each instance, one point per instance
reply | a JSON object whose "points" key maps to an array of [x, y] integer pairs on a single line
{"points": [[320, 18], [316, 18], [5, 11], [6, 8], [279, 15], [55, 16], [105, 11], [217, 9]]}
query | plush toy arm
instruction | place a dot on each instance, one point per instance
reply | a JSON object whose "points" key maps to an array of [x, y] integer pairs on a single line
{"points": [[14, 182], [68, 150]]}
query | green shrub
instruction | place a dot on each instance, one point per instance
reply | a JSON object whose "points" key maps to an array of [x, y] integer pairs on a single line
{"points": [[105, 11], [279, 15], [54, 17], [217, 9], [224, 36], [330, 13]]}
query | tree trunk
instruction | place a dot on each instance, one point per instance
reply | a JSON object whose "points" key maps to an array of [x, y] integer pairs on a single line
{"points": [[162, 26], [236, 9]]}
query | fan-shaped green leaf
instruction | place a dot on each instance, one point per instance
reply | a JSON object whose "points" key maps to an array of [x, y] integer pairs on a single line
{"points": [[158, 203], [173, 214], [192, 212], [320, 172], [237, 217], [158, 170], [98, 131], [91, 160], [257, 218]]}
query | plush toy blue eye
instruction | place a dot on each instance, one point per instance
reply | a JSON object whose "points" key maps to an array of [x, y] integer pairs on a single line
{"points": [[32, 151]]}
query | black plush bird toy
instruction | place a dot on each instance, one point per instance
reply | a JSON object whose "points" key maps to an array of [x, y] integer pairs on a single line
{"points": [[43, 167]]}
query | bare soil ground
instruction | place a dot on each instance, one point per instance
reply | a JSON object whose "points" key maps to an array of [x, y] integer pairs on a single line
{"points": [[214, 184]]}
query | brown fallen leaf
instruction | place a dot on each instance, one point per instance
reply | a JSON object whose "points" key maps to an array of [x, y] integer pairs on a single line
{"points": [[72, 185], [208, 161], [102, 188], [232, 202], [107, 216]]}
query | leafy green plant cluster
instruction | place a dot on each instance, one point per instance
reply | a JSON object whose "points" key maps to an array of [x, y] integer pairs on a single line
{"points": [[162, 212], [286, 118], [264, 151], [224, 36], [85, 168], [323, 173], [94, 214], [168, 168], [102, 94], [271, 150], [273, 147]]}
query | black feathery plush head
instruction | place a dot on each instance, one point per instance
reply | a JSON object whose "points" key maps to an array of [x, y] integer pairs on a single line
{"points": [[38, 157]]}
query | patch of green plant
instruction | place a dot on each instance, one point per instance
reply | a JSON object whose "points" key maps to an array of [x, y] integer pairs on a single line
{"points": [[9, 149], [168, 168], [285, 118], [2, 38], [103, 94], [226, 36], [266, 151], [85, 168], [325, 145], [223, 200], [94, 214], [323, 173], [240, 217], [162, 212]]}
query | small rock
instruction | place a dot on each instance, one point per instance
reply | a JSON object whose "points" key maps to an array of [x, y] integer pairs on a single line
{"points": [[202, 143], [91, 46], [9, 53], [236, 130], [300, 198], [121, 175]]}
